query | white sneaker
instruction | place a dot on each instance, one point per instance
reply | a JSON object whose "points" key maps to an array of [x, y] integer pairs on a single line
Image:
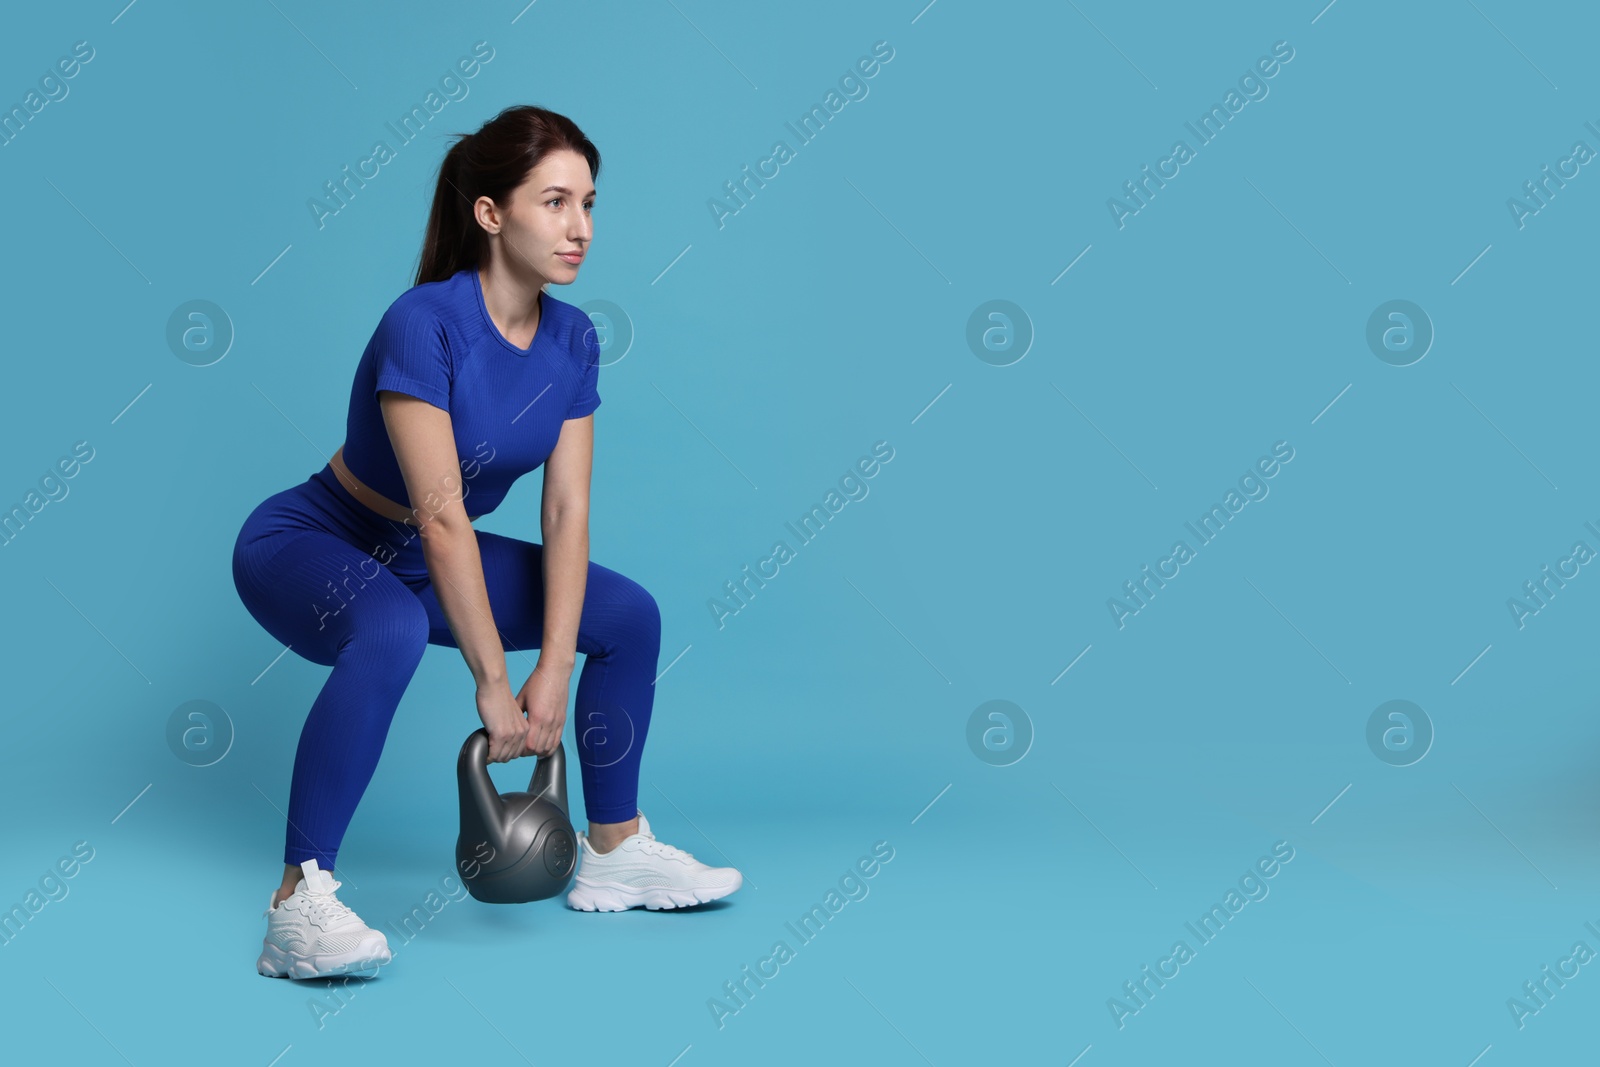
{"points": [[643, 871], [312, 935]]}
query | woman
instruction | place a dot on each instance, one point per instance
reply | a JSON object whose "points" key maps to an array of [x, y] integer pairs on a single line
{"points": [[474, 377]]}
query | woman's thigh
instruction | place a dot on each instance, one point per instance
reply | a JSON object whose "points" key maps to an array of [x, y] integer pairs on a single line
{"points": [[317, 593], [615, 607]]}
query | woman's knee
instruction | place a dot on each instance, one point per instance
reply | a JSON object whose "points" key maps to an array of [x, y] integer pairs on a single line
{"points": [[396, 634], [619, 611], [644, 614]]}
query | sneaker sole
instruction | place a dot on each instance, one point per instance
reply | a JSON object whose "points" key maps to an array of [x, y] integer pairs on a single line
{"points": [[609, 896], [274, 962]]}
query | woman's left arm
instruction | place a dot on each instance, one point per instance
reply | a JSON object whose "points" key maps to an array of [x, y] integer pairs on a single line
{"points": [[564, 517]]}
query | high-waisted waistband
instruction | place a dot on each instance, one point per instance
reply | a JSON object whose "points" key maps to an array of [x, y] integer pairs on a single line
{"points": [[380, 536]]}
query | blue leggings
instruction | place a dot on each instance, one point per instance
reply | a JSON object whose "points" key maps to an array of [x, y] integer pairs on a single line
{"points": [[344, 587]]}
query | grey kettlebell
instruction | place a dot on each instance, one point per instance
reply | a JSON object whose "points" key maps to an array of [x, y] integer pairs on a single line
{"points": [[515, 847]]}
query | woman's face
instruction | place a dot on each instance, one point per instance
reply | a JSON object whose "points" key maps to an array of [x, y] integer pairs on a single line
{"points": [[547, 226]]}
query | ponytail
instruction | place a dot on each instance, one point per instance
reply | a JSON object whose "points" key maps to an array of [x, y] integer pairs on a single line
{"points": [[491, 162]]}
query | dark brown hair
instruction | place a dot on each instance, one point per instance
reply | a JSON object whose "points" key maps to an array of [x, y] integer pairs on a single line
{"points": [[491, 162]]}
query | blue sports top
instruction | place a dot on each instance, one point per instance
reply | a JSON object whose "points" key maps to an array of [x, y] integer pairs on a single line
{"points": [[506, 404]]}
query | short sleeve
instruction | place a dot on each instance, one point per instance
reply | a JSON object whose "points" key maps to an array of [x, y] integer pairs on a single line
{"points": [[411, 356], [587, 397]]}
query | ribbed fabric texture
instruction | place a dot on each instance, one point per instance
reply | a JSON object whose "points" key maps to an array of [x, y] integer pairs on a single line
{"points": [[304, 567], [507, 404]]}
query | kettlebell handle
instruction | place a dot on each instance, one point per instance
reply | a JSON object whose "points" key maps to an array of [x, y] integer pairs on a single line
{"points": [[549, 773]]}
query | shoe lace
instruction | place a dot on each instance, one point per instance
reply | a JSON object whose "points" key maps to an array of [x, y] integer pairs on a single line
{"points": [[327, 905], [658, 848]]}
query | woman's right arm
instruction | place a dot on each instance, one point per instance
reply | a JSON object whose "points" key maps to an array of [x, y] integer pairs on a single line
{"points": [[425, 448]]}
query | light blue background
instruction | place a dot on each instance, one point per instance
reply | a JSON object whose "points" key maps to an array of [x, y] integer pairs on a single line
{"points": [[831, 713]]}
